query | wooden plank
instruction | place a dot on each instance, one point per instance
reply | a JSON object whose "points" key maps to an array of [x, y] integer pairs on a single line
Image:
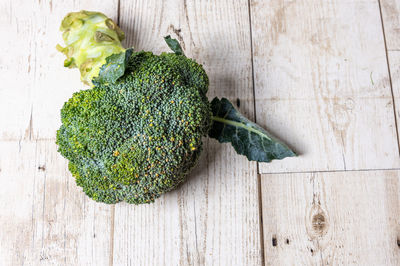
{"points": [[45, 218], [391, 20], [340, 218], [212, 219], [34, 82], [322, 84], [394, 64]]}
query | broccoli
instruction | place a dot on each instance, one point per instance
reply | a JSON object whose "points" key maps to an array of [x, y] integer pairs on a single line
{"points": [[137, 132]]}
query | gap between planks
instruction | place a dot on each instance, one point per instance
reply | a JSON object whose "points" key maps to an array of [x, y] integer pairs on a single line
{"points": [[111, 262], [333, 171], [389, 74], [259, 187]]}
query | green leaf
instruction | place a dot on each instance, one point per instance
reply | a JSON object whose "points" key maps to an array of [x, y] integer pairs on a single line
{"points": [[246, 137], [114, 68], [174, 45]]}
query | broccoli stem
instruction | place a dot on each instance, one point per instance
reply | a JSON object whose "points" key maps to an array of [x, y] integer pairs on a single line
{"points": [[90, 37], [240, 125]]}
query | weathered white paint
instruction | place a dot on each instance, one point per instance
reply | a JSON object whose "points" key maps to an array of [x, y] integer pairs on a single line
{"points": [[322, 84]]}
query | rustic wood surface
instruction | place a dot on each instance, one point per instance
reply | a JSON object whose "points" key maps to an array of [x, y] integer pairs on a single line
{"points": [[324, 76]]}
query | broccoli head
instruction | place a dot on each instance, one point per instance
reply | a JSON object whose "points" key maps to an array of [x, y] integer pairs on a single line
{"points": [[137, 138], [137, 132]]}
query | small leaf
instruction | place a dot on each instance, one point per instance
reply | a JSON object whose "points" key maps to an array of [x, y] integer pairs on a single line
{"points": [[114, 67], [246, 137], [174, 45]]}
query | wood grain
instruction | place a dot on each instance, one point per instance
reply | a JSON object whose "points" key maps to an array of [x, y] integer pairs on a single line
{"points": [[322, 84], [394, 65], [35, 84], [390, 12], [45, 219], [391, 21], [341, 218], [213, 219]]}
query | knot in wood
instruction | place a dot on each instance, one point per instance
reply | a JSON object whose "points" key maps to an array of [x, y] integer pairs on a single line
{"points": [[319, 223]]}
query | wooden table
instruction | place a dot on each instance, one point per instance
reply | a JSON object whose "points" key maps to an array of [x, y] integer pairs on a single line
{"points": [[324, 76]]}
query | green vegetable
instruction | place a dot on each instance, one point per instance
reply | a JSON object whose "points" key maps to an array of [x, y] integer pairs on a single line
{"points": [[246, 137], [174, 45], [90, 38], [137, 132]]}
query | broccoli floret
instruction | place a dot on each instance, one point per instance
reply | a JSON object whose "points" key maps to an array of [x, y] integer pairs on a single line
{"points": [[137, 138], [137, 132]]}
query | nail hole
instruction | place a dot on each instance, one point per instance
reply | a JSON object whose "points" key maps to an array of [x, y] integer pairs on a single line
{"points": [[42, 167], [238, 102], [287, 241], [312, 251], [274, 241], [398, 242]]}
